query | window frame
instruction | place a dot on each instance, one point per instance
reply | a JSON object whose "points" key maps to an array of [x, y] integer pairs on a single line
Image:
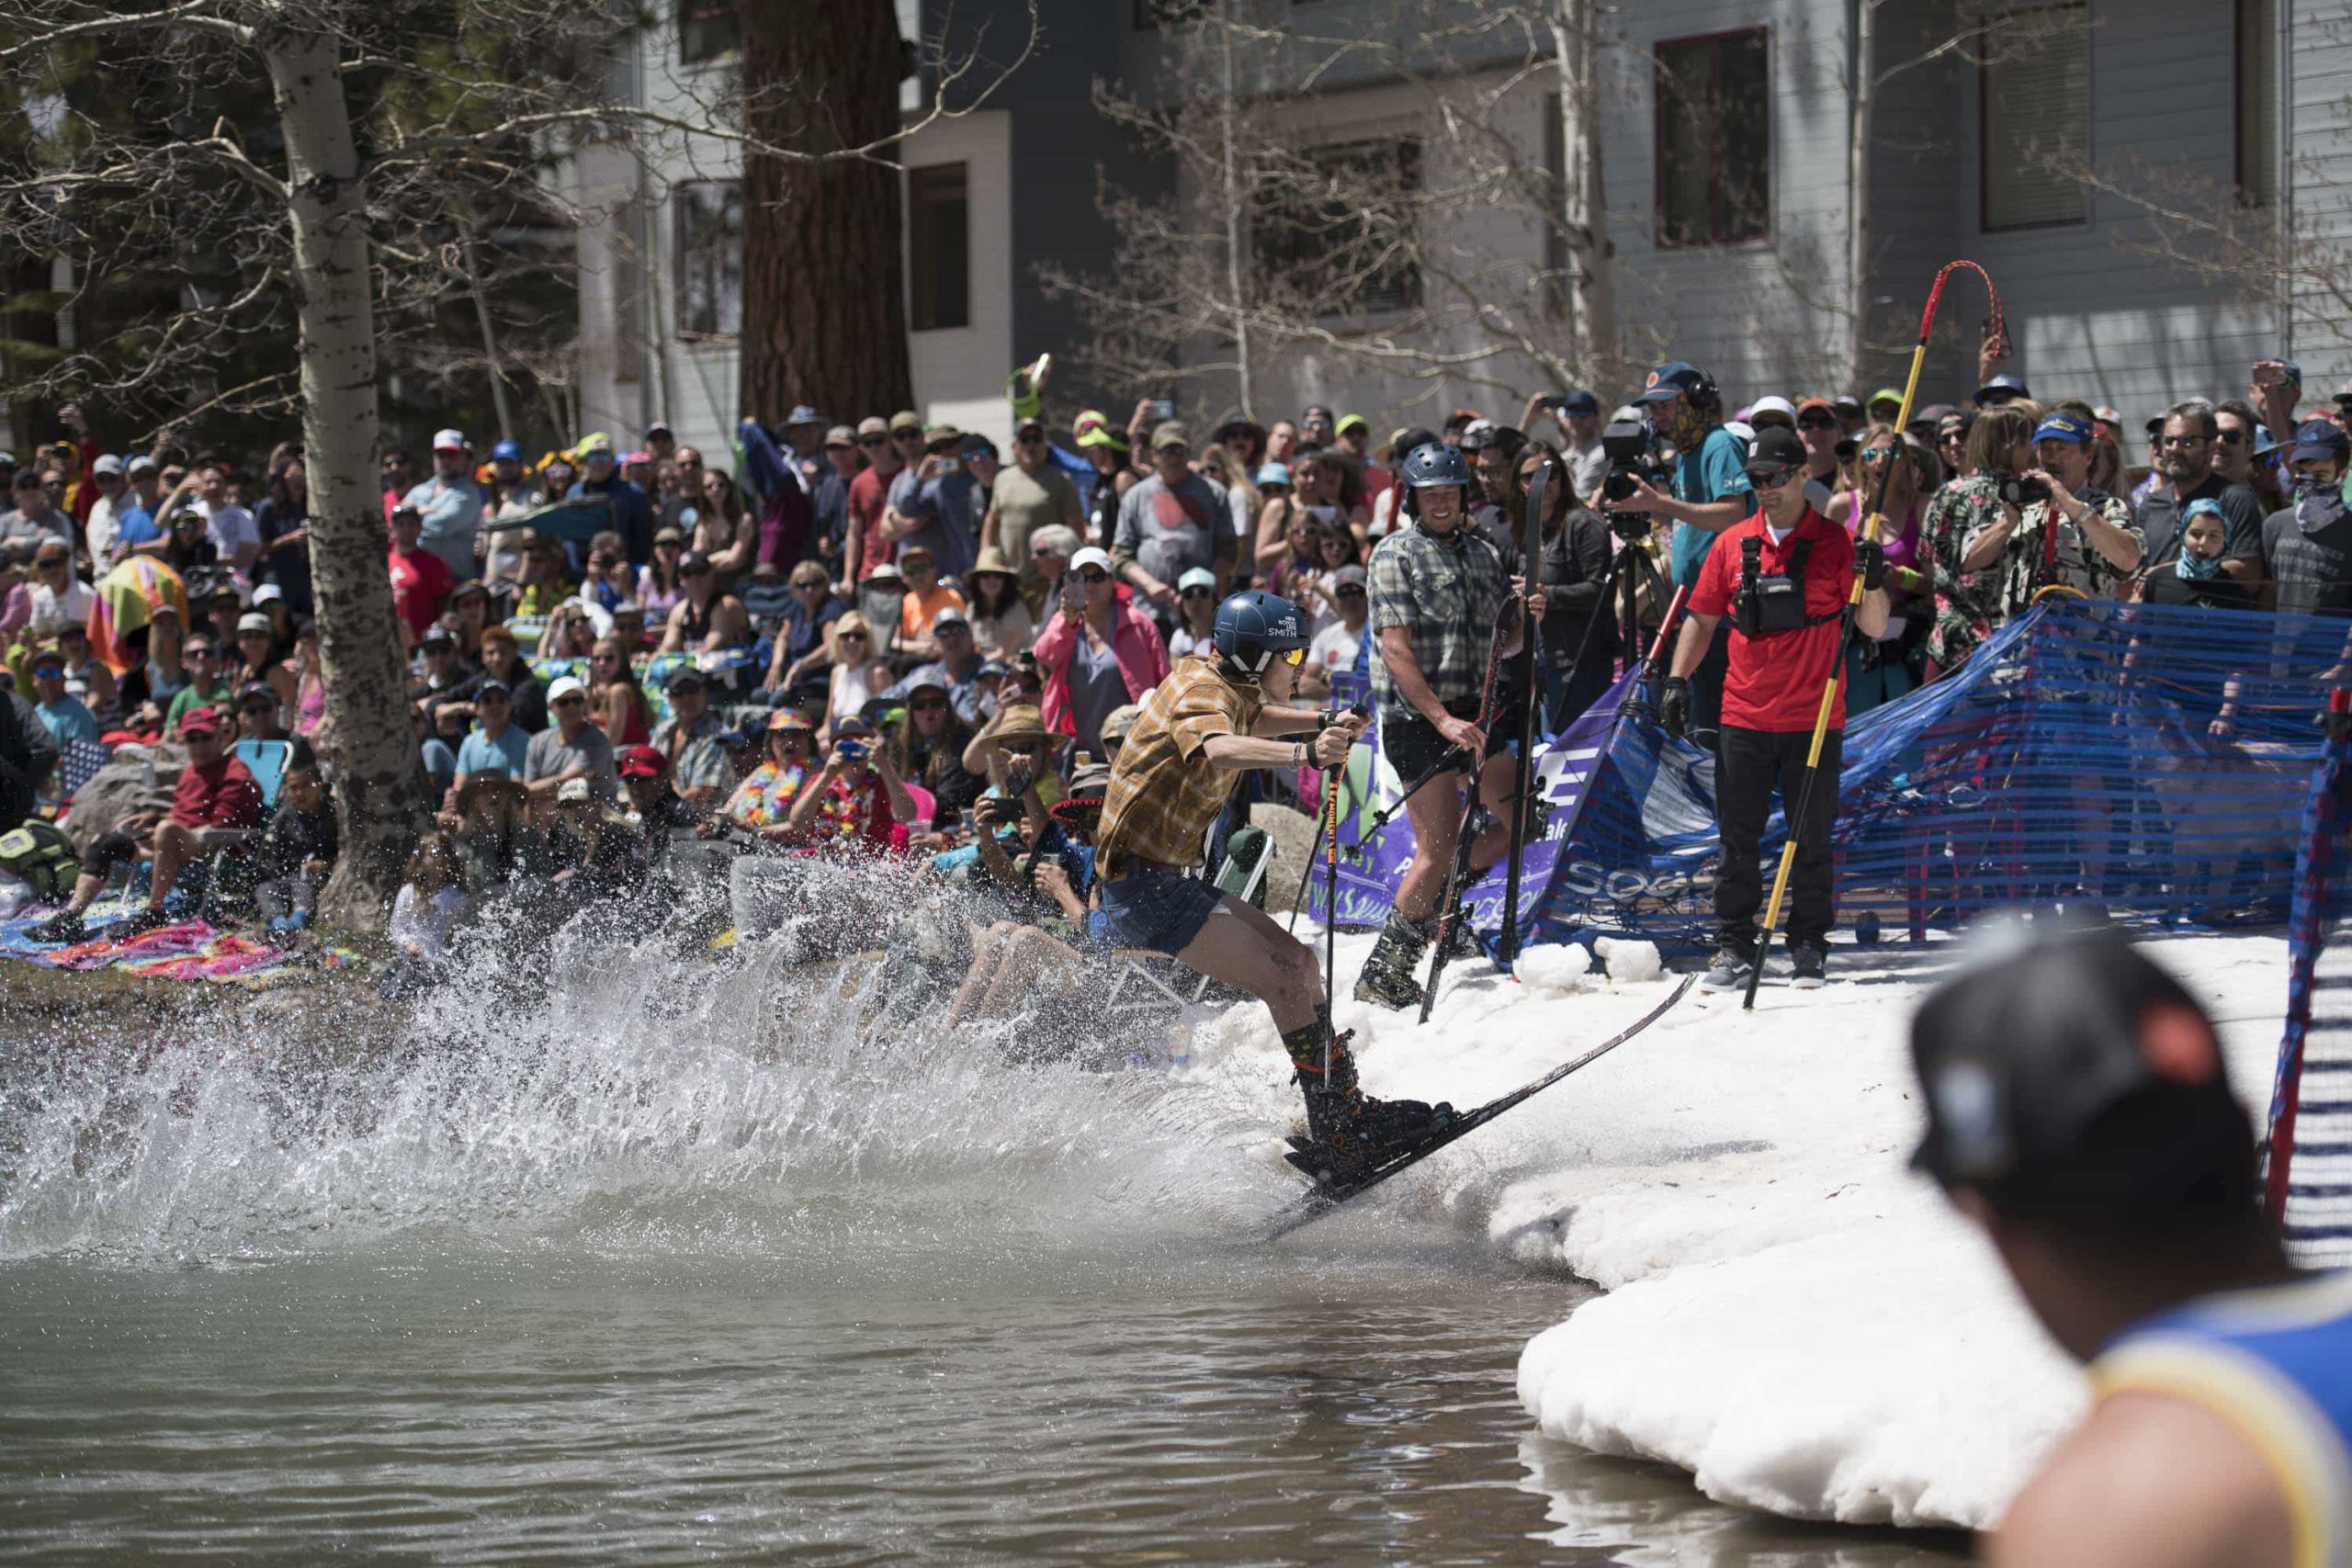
{"points": [[680, 22], [1718, 239], [915, 250], [1984, 225], [682, 276]]}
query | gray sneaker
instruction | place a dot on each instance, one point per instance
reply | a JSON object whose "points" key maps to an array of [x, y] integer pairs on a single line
{"points": [[1808, 966], [1729, 971]]}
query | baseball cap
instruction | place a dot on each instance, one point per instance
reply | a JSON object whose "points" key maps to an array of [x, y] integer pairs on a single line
{"points": [[1348, 422], [873, 424], [2108, 413], [489, 684], [912, 550], [261, 689], [199, 721], [851, 724], [1674, 379], [1776, 448], [506, 452], [1845, 403], [929, 678], [905, 419], [942, 435], [591, 443], [659, 427], [268, 593], [49, 656], [685, 675], [108, 464], [254, 620], [1885, 395], [471, 588], [564, 686], [949, 615], [435, 635], [693, 563], [2063, 426], [1197, 577], [642, 762], [2318, 438], [141, 464], [1350, 577], [571, 791], [2000, 389], [449, 441], [1170, 433], [1778, 405], [1579, 402], [1090, 555], [841, 436], [803, 414], [1273, 474], [2066, 1068]]}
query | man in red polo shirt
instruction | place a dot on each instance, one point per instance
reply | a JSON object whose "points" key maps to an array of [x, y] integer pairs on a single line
{"points": [[215, 790], [1783, 576]]}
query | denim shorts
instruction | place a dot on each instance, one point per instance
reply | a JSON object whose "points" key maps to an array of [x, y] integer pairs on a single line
{"points": [[1158, 910]]}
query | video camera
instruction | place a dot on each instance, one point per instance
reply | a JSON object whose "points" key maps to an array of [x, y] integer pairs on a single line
{"points": [[2019, 489], [1630, 448]]}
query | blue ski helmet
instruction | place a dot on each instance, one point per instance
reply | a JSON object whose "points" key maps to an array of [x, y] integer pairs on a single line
{"points": [[1435, 464], [1253, 626]]}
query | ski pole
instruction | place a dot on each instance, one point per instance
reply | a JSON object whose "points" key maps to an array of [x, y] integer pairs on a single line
{"points": [[1450, 761], [1324, 720], [1530, 556], [1646, 666], [1796, 815], [1448, 909]]}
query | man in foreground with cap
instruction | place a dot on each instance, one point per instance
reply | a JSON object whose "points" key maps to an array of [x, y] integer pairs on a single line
{"points": [[450, 505], [2078, 1112], [1217, 716], [690, 741], [2307, 545], [1781, 579], [214, 791], [570, 746], [1711, 493]]}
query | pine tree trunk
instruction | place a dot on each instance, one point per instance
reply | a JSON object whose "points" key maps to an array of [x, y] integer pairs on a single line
{"points": [[379, 779], [824, 278], [1857, 196]]}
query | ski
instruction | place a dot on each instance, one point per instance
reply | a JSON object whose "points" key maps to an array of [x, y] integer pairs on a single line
{"points": [[1324, 1197]]}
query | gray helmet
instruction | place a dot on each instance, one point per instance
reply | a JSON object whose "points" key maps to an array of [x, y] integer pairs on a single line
{"points": [[1435, 464], [1253, 626]]}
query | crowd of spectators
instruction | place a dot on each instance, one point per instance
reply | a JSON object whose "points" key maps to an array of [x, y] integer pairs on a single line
{"points": [[889, 640]]}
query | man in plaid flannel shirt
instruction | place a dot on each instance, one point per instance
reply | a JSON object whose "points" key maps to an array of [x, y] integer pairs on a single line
{"points": [[1217, 715]]}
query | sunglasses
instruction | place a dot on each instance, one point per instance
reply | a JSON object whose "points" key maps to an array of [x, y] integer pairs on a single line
{"points": [[196, 653], [2182, 440], [1200, 592], [927, 705], [1350, 593], [2233, 438], [853, 636], [874, 441], [1095, 574], [571, 701], [1770, 479], [492, 697], [1877, 454], [805, 587]]}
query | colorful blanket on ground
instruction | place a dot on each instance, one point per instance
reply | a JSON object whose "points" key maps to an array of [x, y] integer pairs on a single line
{"points": [[191, 949]]}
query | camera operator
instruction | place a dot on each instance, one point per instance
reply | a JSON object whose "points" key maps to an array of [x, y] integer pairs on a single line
{"points": [[1711, 494], [2098, 545], [1781, 580], [1576, 658]]}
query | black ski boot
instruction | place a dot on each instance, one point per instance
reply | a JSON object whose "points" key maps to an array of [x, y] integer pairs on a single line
{"points": [[1348, 1132], [1386, 979]]}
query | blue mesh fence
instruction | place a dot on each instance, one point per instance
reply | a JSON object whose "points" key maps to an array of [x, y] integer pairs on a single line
{"points": [[2156, 761], [2307, 1175]]}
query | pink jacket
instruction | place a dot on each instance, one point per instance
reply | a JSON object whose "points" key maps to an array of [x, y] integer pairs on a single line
{"points": [[1135, 641]]}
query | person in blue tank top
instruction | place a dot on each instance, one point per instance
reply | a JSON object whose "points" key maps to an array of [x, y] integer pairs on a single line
{"points": [[2078, 1112]]}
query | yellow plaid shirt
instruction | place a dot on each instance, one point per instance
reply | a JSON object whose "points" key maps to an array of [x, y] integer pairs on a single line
{"points": [[1165, 792]]}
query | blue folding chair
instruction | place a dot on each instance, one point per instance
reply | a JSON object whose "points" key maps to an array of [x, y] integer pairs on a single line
{"points": [[266, 759]]}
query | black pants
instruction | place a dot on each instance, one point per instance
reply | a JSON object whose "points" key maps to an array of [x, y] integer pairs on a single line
{"points": [[1707, 689], [1750, 764]]}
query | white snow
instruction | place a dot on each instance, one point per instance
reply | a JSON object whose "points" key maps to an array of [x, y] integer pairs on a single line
{"points": [[1792, 1315]]}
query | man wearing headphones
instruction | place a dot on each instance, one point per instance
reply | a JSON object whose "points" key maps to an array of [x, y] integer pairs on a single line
{"points": [[1711, 494], [1214, 717], [1439, 589]]}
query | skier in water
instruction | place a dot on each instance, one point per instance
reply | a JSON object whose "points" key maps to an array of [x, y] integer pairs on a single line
{"points": [[2077, 1112], [1215, 715]]}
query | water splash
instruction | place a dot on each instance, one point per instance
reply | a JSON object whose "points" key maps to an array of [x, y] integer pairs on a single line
{"points": [[629, 1103]]}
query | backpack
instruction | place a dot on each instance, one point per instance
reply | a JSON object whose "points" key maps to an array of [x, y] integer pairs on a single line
{"points": [[43, 856]]}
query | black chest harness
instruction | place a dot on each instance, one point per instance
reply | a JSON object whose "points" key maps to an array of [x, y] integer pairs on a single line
{"points": [[1771, 605]]}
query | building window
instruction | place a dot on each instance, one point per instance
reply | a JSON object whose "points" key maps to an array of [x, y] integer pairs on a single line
{"points": [[939, 247], [1149, 14], [632, 236], [710, 258], [709, 29], [2033, 112], [1339, 235], [2257, 101], [1715, 139]]}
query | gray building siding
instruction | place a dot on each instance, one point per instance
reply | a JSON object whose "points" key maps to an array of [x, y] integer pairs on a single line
{"points": [[2319, 134]]}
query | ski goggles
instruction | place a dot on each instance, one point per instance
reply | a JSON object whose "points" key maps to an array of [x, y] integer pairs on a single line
{"points": [[1294, 656]]}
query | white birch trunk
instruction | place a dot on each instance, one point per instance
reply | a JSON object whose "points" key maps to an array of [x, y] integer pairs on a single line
{"points": [[1591, 289], [379, 779], [1857, 196], [1236, 226]]}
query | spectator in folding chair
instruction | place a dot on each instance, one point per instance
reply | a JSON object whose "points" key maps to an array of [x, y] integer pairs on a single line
{"points": [[215, 799]]}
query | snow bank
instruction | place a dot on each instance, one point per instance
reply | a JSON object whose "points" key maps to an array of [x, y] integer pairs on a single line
{"points": [[1793, 1316]]}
